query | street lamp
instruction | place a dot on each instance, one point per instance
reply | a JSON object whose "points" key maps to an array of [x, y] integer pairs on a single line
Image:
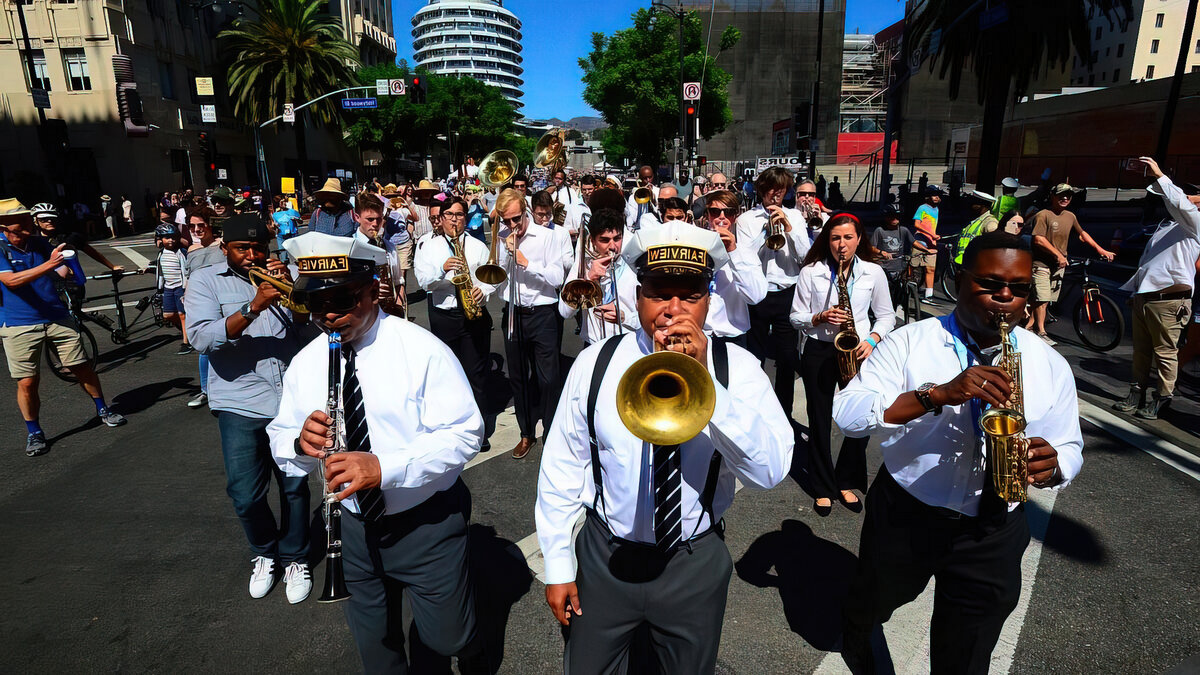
{"points": [[679, 13]]}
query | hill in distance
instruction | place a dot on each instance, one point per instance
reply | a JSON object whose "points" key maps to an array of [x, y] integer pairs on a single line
{"points": [[580, 123]]}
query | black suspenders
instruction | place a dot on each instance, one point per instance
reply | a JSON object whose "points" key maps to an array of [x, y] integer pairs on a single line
{"points": [[607, 349]]}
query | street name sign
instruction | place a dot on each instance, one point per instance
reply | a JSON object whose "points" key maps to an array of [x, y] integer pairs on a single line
{"points": [[359, 103], [208, 114]]}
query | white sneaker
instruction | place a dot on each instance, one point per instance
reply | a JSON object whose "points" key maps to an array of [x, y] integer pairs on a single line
{"points": [[298, 582], [262, 579]]}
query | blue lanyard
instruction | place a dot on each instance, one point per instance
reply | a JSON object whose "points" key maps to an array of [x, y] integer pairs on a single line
{"points": [[964, 361]]}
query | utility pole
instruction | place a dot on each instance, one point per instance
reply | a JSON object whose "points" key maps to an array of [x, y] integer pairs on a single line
{"points": [[816, 92], [1164, 136], [679, 14]]}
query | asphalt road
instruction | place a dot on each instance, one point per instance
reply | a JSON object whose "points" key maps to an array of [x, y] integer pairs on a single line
{"points": [[123, 553]]}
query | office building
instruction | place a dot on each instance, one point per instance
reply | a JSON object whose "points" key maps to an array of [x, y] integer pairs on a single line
{"points": [[471, 38], [1143, 45]]}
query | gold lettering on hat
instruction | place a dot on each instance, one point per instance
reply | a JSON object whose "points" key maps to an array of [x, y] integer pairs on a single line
{"points": [[678, 259], [323, 265]]}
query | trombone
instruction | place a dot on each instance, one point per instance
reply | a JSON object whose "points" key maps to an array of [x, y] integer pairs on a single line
{"points": [[644, 198], [491, 273], [494, 171]]}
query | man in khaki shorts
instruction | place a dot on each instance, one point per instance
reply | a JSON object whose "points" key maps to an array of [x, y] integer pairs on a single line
{"points": [[1052, 227], [34, 314]]}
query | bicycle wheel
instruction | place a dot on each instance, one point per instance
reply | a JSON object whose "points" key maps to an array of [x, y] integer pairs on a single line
{"points": [[949, 275], [89, 350], [1098, 321], [912, 303]]}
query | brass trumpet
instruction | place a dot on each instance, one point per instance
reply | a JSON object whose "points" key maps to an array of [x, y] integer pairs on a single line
{"points": [[776, 229], [1004, 428], [666, 398], [258, 275]]}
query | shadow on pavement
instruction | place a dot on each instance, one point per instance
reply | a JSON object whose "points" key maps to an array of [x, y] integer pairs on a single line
{"points": [[799, 469], [812, 575], [138, 350], [92, 423], [1072, 539], [500, 580], [140, 398]]}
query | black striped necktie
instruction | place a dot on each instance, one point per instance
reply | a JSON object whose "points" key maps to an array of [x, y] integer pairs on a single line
{"points": [[358, 438], [668, 484]]}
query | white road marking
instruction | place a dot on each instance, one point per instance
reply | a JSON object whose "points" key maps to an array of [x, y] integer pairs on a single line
{"points": [[105, 308], [139, 260], [1165, 451]]}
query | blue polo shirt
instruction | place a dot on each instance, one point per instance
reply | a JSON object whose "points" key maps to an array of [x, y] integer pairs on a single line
{"points": [[36, 302]]}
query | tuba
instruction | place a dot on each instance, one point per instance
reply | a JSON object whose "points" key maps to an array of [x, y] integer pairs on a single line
{"points": [[550, 152], [666, 398], [463, 284], [258, 275], [1004, 428], [497, 168], [847, 340], [335, 576]]}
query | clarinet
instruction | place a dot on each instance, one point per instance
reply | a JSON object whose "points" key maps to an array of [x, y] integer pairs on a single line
{"points": [[335, 575]]}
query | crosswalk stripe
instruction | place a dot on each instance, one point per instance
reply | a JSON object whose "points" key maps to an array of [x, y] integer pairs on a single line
{"points": [[136, 258]]}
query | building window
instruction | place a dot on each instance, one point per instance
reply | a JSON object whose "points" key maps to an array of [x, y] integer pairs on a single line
{"points": [[1095, 56], [1120, 50], [1149, 72], [1198, 46], [166, 80], [76, 66], [1116, 74], [1196, 69], [1103, 76], [40, 78], [1154, 46], [1158, 20]]}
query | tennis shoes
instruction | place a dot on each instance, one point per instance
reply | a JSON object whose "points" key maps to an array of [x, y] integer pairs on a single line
{"points": [[296, 578]]}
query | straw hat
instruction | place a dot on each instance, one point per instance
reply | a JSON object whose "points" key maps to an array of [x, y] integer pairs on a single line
{"points": [[332, 186], [11, 208], [425, 190], [390, 190]]}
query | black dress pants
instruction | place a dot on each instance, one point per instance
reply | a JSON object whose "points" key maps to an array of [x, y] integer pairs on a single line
{"points": [[469, 340], [532, 353], [976, 562], [772, 336], [819, 371]]}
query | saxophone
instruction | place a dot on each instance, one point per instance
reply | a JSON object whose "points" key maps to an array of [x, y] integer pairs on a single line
{"points": [[846, 341], [463, 284], [1004, 428]]}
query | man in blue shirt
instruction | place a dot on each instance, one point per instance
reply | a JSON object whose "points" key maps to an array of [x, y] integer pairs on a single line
{"points": [[34, 314]]}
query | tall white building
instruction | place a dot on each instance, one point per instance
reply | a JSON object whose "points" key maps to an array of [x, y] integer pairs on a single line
{"points": [[471, 38], [1141, 46]]}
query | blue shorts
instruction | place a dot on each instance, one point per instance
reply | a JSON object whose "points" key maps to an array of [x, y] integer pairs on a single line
{"points": [[172, 300]]}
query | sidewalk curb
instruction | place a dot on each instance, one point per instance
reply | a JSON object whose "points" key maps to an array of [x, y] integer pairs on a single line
{"points": [[1147, 440]]}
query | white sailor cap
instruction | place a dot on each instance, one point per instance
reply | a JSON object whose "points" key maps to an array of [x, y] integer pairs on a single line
{"points": [[1011, 183], [325, 261], [675, 247], [982, 196]]}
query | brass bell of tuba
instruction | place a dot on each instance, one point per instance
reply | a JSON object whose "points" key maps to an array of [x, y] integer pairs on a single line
{"points": [[1004, 428], [666, 398], [497, 168], [550, 151]]}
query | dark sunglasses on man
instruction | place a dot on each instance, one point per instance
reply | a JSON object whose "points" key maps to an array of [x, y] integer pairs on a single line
{"points": [[1019, 289], [339, 300]]}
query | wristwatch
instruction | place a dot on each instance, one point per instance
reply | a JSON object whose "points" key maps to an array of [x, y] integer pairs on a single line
{"points": [[247, 313], [926, 400]]}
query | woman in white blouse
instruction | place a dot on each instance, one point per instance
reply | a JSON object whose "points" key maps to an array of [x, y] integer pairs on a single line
{"points": [[816, 313]]}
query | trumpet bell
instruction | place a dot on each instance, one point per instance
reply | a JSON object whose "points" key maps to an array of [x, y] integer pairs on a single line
{"points": [[497, 169], [491, 274], [582, 294], [643, 195], [666, 398], [775, 242]]}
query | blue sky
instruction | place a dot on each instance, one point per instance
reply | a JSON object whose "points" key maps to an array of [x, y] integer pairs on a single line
{"points": [[557, 34]]}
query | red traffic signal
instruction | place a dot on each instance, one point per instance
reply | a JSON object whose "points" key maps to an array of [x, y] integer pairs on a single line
{"points": [[691, 110]]}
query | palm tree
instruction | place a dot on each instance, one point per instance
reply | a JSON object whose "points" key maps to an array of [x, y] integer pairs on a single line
{"points": [[291, 52], [1037, 36]]}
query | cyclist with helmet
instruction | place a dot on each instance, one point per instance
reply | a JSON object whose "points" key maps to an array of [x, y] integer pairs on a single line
{"points": [[893, 243], [51, 227]]}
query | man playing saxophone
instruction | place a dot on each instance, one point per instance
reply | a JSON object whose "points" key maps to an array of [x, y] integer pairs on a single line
{"points": [[458, 314], [932, 511], [369, 216]]}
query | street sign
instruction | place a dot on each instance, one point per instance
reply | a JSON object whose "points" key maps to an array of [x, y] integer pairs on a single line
{"points": [[41, 99], [204, 86], [396, 87], [691, 91], [208, 114], [289, 112], [222, 174], [287, 185], [382, 88], [359, 103]]}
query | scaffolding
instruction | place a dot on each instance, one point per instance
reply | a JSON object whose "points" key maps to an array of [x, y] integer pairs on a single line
{"points": [[864, 81]]}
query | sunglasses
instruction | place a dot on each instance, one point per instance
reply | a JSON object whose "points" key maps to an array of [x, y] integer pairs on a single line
{"points": [[341, 300], [806, 194], [513, 221], [718, 185], [1020, 289], [727, 211]]}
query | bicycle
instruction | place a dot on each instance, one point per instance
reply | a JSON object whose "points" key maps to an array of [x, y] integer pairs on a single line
{"points": [[120, 331], [905, 290], [1096, 318]]}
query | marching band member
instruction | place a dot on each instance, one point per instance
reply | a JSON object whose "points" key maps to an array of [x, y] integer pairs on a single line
{"points": [[581, 207], [250, 341], [737, 285], [645, 180], [816, 310], [932, 511], [652, 555], [771, 332], [617, 311], [813, 215], [655, 213], [369, 216], [410, 427], [436, 265], [540, 260], [562, 192]]}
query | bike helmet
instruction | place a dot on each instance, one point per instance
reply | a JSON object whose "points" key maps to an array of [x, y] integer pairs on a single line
{"points": [[892, 210], [44, 210], [166, 230]]}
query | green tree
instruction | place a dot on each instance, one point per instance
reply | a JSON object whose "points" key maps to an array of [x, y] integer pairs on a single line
{"points": [[1007, 58], [289, 51], [475, 115], [632, 79]]}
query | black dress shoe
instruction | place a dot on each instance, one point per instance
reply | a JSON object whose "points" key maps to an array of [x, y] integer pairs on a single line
{"points": [[822, 510], [856, 506]]}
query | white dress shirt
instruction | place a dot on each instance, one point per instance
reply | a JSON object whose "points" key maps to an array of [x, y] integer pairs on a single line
{"points": [[779, 267], [748, 428], [626, 299], [938, 458], [1170, 256], [575, 213], [549, 256], [428, 265], [422, 419], [816, 291], [631, 207], [566, 195], [735, 287]]}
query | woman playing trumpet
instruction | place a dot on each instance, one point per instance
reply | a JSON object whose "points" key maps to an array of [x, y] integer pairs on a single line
{"points": [[831, 269]]}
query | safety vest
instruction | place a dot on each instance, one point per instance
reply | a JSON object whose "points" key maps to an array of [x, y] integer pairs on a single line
{"points": [[985, 223], [1004, 204]]}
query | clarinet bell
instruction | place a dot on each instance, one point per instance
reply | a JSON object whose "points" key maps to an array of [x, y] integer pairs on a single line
{"points": [[335, 581]]}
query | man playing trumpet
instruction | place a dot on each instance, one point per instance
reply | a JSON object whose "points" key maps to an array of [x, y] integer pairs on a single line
{"points": [[655, 558], [602, 265]]}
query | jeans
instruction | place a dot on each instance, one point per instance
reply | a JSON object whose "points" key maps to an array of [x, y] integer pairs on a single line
{"points": [[204, 373], [248, 471]]}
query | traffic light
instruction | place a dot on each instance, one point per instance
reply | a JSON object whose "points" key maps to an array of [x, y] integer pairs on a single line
{"points": [[691, 124], [209, 150], [416, 89]]}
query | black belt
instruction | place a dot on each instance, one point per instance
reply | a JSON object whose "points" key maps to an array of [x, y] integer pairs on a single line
{"points": [[1173, 295], [526, 311]]}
